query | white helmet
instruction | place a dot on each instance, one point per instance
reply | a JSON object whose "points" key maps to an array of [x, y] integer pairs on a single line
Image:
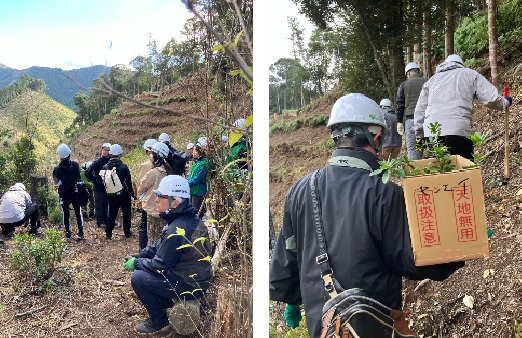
{"points": [[161, 149], [164, 137], [20, 185], [87, 165], [63, 151], [203, 141], [224, 138], [149, 143], [115, 150], [356, 109], [240, 123], [454, 58], [106, 145], [174, 186], [385, 103], [190, 146], [410, 66]]}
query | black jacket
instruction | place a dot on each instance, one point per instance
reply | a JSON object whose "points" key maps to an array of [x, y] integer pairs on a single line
{"points": [[408, 95], [123, 173], [93, 173], [367, 239], [66, 174], [167, 252]]}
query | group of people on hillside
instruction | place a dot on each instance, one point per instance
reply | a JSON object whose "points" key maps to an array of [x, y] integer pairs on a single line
{"points": [[344, 229], [446, 98], [168, 266]]}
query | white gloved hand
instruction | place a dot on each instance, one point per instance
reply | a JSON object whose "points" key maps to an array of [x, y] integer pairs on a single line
{"points": [[400, 128]]}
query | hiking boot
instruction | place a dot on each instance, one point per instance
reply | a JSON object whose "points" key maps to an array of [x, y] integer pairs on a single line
{"points": [[128, 235], [101, 225], [67, 234], [151, 326], [79, 237], [91, 215], [107, 237]]}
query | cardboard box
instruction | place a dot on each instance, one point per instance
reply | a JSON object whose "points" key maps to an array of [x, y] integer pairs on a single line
{"points": [[446, 214]]}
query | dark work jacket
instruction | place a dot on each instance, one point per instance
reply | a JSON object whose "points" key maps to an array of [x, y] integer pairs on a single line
{"points": [[167, 252], [68, 173], [93, 173], [408, 95], [366, 234], [123, 173]]}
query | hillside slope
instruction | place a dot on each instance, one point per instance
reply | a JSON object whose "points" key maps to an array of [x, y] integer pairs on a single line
{"points": [[437, 309], [38, 116], [131, 123]]}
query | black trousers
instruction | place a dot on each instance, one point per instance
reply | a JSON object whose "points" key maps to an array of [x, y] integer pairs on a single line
{"points": [[196, 202], [66, 202], [116, 203], [31, 213], [101, 206], [459, 145], [142, 231]]}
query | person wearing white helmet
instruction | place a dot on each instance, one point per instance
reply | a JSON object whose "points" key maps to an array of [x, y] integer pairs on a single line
{"points": [[391, 140], [101, 203], [144, 168], [66, 176], [190, 147], [364, 225], [88, 185], [407, 96], [174, 266], [121, 199], [198, 179], [447, 98], [150, 181], [177, 160], [16, 208]]}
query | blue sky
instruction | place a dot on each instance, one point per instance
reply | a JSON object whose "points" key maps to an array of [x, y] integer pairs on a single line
{"points": [[71, 34]]}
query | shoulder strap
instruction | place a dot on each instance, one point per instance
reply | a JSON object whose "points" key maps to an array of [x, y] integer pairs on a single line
{"points": [[322, 259]]}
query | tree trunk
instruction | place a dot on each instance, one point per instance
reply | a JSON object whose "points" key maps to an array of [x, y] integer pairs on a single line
{"points": [[449, 42], [233, 314], [493, 41], [37, 182], [426, 42]]}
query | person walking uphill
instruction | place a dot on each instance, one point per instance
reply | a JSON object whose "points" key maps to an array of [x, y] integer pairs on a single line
{"points": [[391, 140], [407, 96], [447, 98], [172, 267], [101, 203], [16, 208], [364, 220], [119, 197], [66, 175], [198, 177], [150, 181]]}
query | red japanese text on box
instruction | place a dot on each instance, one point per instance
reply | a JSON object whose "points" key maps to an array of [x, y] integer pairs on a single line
{"points": [[426, 218], [464, 213]]}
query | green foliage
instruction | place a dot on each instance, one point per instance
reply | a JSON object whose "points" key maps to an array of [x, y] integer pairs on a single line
{"points": [[24, 159], [39, 261], [518, 329], [471, 37], [479, 139], [439, 151], [49, 202], [315, 121]]}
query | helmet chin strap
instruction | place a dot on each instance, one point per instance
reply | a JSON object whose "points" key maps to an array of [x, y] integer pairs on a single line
{"points": [[371, 140]]}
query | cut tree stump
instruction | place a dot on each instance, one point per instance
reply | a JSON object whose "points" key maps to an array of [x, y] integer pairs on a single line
{"points": [[184, 316], [233, 314], [37, 182]]}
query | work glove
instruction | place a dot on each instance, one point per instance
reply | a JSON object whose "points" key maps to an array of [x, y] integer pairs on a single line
{"points": [[400, 128], [419, 144], [129, 265], [292, 315], [509, 99]]}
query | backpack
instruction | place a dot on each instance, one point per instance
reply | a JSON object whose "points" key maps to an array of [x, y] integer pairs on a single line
{"points": [[178, 161], [111, 181]]}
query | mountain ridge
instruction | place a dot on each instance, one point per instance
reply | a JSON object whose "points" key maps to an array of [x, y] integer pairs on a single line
{"points": [[58, 86]]}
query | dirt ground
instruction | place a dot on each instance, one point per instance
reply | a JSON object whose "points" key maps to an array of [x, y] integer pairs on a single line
{"points": [[437, 308], [100, 301]]}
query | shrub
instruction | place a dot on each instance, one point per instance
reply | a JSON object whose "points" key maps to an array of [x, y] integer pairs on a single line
{"points": [[38, 262], [49, 203]]}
